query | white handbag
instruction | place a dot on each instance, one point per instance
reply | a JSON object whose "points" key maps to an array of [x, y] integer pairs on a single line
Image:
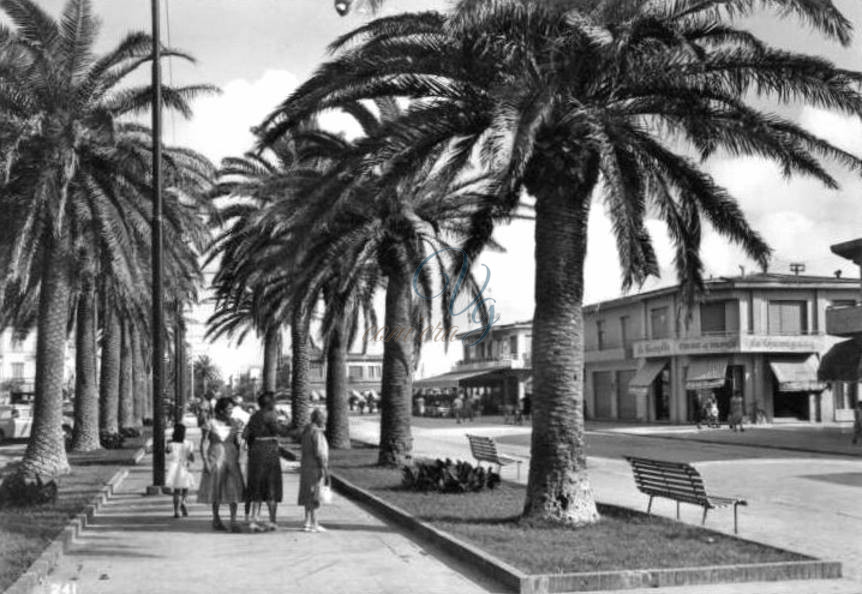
{"points": [[325, 494]]}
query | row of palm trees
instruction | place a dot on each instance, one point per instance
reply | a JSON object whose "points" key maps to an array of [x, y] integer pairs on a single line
{"points": [[570, 101], [76, 208]]}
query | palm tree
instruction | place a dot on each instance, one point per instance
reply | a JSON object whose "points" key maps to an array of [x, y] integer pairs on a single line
{"points": [[85, 433], [572, 98], [351, 222], [76, 163], [206, 374]]}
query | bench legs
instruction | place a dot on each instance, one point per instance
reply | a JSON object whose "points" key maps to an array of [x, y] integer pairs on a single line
{"points": [[703, 521], [649, 505], [735, 505], [677, 510]]}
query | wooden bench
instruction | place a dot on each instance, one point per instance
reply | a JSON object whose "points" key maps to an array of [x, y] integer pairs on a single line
{"points": [[679, 482], [484, 449]]}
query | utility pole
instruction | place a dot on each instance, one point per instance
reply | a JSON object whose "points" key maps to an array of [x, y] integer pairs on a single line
{"points": [[156, 237]]}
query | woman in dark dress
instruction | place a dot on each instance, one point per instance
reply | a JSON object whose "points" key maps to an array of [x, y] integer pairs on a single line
{"points": [[264, 465]]}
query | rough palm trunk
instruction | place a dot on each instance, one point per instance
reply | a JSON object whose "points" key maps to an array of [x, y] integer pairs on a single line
{"points": [[109, 377], [139, 379], [127, 403], [271, 354], [558, 487], [300, 404], [46, 452], [337, 405], [85, 434], [396, 441]]}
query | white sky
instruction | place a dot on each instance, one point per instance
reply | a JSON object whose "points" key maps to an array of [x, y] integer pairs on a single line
{"points": [[257, 51]]}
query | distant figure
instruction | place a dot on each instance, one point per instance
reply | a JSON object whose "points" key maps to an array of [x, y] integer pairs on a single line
{"points": [[314, 469], [526, 407], [857, 422], [420, 406], [458, 408], [179, 477], [221, 481], [469, 406], [263, 481], [737, 410]]}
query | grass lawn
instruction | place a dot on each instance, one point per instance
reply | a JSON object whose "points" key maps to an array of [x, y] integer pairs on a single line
{"points": [[26, 531], [623, 539]]}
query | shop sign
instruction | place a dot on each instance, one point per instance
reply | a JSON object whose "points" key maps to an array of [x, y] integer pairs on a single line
{"points": [[726, 344]]}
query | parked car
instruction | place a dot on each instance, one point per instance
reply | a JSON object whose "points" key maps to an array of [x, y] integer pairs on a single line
{"points": [[16, 421]]}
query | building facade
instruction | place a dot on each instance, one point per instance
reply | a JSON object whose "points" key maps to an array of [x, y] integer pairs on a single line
{"points": [[18, 364], [760, 335], [497, 370], [364, 373]]}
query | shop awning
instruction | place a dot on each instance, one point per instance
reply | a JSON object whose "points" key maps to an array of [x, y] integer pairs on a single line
{"points": [[841, 363], [452, 379], [797, 375], [706, 374], [645, 376]]}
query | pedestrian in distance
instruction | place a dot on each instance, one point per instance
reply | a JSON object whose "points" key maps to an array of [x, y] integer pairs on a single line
{"points": [[179, 475], [857, 422], [458, 408], [313, 470], [263, 481], [221, 481], [737, 410]]}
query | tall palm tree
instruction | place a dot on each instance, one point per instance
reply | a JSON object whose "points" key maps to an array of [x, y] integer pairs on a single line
{"points": [[572, 100], [85, 433], [77, 161], [351, 222]]}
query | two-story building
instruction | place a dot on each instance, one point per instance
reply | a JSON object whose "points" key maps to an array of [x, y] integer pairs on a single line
{"points": [[364, 373], [497, 369], [649, 359]]}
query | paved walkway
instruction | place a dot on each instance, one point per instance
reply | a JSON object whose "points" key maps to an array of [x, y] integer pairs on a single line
{"points": [[810, 506], [135, 545]]}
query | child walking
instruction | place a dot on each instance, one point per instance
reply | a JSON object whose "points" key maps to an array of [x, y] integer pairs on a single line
{"points": [[179, 477]]}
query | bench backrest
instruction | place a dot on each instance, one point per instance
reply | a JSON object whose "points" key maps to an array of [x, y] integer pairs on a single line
{"points": [[677, 480], [483, 448]]}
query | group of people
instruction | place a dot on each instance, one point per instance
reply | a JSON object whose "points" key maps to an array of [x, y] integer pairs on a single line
{"points": [[708, 414], [222, 481]]}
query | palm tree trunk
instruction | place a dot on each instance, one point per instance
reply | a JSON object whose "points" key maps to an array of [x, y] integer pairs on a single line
{"points": [[85, 434], [396, 441], [127, 402], [46, 451], [337, 406], [558, 488], [109, 380], [271, 355], [300, 404], [139, 381]]}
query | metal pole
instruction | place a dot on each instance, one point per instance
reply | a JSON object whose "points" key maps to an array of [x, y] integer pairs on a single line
{"points": [[158, 305], [180, 364]]}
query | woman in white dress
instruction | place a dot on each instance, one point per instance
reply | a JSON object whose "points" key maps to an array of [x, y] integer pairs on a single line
{"points": [[179, 478], [221, 481]]}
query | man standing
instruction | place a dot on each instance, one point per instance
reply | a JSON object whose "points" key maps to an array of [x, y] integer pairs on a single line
{"points": [[458, 407], [736, 412]]}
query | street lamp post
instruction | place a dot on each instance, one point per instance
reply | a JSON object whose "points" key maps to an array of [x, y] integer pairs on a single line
{"points": [[157, 293]]}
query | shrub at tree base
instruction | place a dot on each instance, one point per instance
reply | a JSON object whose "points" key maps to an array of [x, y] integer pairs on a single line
{"points": [[111, 441], [127, 432], [446, 476], [17, 490]]}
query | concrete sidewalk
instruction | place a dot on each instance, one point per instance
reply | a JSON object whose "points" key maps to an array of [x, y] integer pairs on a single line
{"points": [[135, 545]]}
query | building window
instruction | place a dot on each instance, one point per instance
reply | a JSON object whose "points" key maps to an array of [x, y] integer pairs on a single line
{"points": [[17, 345], [17, 371], [787, 317], [354, 372], [600, 334], [316, 371], [513, 346], [713, 318], [624, 330], [374, 371], [837, 303], [660, 322]]}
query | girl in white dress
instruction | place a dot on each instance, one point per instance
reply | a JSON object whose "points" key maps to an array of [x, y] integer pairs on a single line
{"points": [[179, 477]]}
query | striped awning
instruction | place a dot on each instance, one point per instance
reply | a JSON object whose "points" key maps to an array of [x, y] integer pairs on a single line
{"points": [[706, 374], [797, 375], [645, 376]]}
